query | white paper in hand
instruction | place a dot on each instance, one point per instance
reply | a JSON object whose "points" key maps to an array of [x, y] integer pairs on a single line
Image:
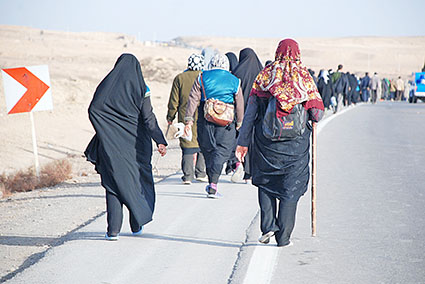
{"points": [[180, 132]]}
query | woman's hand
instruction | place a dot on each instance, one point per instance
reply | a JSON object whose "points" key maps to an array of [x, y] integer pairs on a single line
{"points": [[162, 149], [241, 153], [188, 128]]}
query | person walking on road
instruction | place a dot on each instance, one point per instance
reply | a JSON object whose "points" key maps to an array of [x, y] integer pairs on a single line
{"points": [[385, 86], [247, 70], [231, 163], [374, 85], [216, 141], [233, 61], [393, 89], [280, 169], [399, 84], [325, 87], [341, 87], [182, 84], [121, 150], [365, 87]]}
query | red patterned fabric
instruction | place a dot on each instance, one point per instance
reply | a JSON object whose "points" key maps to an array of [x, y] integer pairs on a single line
{"points": [[287, 80]]}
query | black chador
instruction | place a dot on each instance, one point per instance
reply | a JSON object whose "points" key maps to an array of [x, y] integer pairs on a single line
{"points": [[121, 114]]}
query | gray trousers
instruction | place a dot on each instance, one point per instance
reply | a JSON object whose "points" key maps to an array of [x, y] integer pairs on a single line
{"points": [[191, 170]]}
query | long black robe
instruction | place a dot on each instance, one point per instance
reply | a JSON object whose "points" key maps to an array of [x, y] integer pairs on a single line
{"points": [[247, 70], [121, 114], [233, 61], [326, 91], [355, 96]]}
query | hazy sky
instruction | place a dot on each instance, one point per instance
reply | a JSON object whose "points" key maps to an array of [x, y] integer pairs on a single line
{"points": [[167, 19]]}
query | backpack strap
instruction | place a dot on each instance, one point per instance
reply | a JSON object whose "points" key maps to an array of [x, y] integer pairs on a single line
{"points": [[203, 89]]}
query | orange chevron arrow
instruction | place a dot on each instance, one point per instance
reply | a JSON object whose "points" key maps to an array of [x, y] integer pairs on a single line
{"points": [[35, 89]]}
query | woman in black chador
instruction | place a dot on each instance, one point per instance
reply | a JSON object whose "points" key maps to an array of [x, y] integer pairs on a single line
{"points": [[247, 70], [121, 114], [280, 168]]}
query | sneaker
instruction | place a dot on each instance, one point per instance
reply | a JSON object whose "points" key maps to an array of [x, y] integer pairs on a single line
{"points": [[111, 238], [139, 232], [202, 179], [187, 182], [238, 174], [265, 239], [212, 193]]}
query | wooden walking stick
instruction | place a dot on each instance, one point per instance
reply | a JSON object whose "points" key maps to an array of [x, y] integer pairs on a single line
{"points": [[313, 179]]}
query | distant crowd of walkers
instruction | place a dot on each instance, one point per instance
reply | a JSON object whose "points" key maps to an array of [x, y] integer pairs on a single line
{"points": [[340, 89]]}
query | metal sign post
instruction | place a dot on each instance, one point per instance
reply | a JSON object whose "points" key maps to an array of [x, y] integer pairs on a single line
{"points": [[34, 146]]}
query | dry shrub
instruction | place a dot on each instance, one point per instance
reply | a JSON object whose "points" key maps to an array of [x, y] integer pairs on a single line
{"points": [[51, 174], [21, 181], [55, 173]]}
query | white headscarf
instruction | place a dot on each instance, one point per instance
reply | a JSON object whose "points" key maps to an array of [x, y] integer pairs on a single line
{"points": [[208, 53], [219, 61], [325, 75]]}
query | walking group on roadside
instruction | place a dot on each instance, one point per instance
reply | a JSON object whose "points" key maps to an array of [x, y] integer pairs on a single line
{"points": [[339, 89], [234, 112]]}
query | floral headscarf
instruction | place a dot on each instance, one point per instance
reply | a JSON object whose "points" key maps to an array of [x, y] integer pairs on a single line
{"points": [[195, 62], [287, 80]]}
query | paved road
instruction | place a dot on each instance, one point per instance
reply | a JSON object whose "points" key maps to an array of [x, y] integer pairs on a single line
{"points": [[371, 204], [371, 201]]}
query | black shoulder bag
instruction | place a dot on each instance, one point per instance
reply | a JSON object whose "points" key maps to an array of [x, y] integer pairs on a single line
{"points": [[287, 127]]}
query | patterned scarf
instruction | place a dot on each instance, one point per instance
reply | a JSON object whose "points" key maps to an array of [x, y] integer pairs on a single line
{"points": [[195, 62], [287, 80], [219, 61]]}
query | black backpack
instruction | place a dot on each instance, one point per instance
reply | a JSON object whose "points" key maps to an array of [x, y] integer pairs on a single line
{"points": [[287, 127]]}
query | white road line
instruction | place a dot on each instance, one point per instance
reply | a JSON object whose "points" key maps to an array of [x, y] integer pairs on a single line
{"points": [[330, 118], [264, 258], [261, 265]]}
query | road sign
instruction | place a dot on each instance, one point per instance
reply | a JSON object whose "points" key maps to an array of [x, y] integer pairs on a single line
{"points": [[27, 89]]}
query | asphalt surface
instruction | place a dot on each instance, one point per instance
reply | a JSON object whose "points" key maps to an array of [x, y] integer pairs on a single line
{"points": [[371, 200]]}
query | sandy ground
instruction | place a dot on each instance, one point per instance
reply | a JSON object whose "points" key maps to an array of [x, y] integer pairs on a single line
{"points": [[79, 61], [31, 223]]}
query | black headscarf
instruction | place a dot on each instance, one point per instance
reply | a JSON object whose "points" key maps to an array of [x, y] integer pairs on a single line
{"points": [[233, 60], [121, 114], [247, 70]]}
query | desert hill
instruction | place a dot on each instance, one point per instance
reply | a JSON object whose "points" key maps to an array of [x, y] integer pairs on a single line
{"points": [[79, 61]]}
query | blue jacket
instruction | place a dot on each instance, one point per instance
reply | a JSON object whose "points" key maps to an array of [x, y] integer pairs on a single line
{"points": [[219, 84]]}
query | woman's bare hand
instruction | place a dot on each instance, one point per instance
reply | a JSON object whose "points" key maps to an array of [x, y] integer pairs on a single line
{"points": [[241, 153], [162, 149]]}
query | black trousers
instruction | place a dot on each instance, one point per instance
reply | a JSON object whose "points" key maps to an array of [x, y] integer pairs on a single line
{"points": [[115, 215], [374, 95], [216, 143], [280, 221]]}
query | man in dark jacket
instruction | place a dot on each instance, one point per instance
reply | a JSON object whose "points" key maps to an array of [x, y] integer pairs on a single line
{"points": [[365, 87], [341, 87]]}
